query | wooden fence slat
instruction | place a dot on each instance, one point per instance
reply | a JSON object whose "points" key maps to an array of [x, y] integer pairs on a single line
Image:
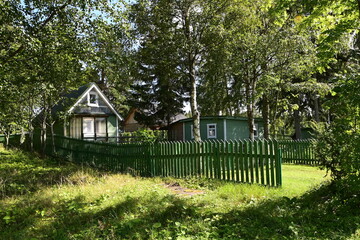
{"points": [[241, 161]]}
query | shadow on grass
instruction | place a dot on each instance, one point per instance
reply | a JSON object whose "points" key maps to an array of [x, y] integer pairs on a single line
{"points": [[330, 212], [23, 173], [115, 222], [326, 213]]}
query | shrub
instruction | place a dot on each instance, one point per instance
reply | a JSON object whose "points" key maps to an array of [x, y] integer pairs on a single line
{"points": [[145, 135]]}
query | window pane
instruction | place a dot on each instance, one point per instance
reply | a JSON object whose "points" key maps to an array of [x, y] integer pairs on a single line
{"points": [[212, 131], [100, 127], [75, 128], [93, 99], [88, 127]]}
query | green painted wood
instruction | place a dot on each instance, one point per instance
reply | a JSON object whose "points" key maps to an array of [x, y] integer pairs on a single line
{"points": [[227, 160], [272, 165], [223, 160], [236, 161], [227, 156], [251, 160], [211, 157], [231, 160], [206, 159], [217, 167], [267, 162], [278, 168], [256, 161], [261, 162], [241, 160]]}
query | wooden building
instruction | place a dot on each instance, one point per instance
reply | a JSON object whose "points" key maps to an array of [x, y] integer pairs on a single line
{"points": [[88, 114], [215, 127]]}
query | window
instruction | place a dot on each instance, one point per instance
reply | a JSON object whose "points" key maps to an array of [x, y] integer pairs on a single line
{"points": [[88, 127], [94, 128], [100, 126], [211, 130], [75, 128], [93, 99]]}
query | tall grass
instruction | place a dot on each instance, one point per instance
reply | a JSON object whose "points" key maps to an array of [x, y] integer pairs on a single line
{"points": [[50, 199]]}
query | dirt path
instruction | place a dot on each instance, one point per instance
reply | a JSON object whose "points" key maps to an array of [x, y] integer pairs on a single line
{"points": [[182, 191]]}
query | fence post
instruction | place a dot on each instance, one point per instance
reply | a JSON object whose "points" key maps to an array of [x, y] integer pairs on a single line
{"points": [[150, 159], [278, 161]]}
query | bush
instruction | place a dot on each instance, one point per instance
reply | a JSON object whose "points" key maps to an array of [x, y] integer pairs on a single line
{"points": [[144, 135]]}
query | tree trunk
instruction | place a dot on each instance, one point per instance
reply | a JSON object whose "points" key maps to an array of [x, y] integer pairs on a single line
{"points": [[31, 140], [43, 137], [31, 135], [194, 107], [23, 137], [316, 109], [266, 116], [43, 130], [297, 122], [250, 109], [7, 139], [191, 61], [52, 137]]}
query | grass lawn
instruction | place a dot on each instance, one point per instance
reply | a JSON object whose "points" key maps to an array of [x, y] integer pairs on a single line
{"points": [[47, 199]]}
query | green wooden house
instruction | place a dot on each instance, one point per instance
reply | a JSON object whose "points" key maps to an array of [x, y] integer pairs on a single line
{"points": [[216, 127], [89, 115]]}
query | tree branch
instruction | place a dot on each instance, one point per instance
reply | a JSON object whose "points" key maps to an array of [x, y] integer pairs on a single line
{"points": [[42, 25]]}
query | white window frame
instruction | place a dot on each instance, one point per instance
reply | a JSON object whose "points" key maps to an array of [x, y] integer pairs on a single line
{"points": [[208, 128], [97, 99]]}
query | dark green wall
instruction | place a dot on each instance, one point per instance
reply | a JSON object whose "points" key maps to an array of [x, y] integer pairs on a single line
{"points": [[203, 128], [236, 128], [111, 125]]}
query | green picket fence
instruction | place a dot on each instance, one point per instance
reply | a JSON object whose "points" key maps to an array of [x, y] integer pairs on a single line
{"points": [[239, 161], [298, 152]]}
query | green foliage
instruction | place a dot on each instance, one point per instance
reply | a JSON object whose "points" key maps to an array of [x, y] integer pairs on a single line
{"points": [[51, 48], [339, 141], [158, 93], [145, 135]]}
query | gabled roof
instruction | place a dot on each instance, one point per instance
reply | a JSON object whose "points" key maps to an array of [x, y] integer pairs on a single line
{"points": [[73, 99]]}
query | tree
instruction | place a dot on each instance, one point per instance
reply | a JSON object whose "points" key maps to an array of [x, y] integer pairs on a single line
{"points": [[262, 47], [47, 51], [186, 23], [337, 25], [158, 92]]}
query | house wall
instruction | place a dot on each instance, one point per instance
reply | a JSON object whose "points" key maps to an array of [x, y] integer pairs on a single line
{"points": [[239, 129], [235, 129], [112, 129], [203, 128]]}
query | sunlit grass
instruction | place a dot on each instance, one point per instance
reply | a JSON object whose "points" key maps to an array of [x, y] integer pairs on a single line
{"points": [[49, 199]]}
